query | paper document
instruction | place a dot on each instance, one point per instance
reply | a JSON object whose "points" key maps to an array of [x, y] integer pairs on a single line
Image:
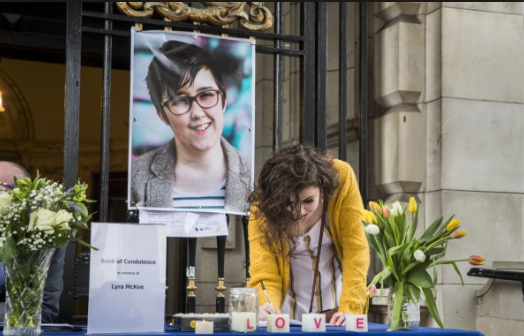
{"points": [[294, 323], [127, 278], [187, 224]]}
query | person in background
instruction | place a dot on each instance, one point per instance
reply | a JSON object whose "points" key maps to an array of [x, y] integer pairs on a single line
{"points": [[54, 282], [284, 234], [198, 168]]}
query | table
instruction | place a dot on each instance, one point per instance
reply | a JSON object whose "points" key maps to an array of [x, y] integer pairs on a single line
{"points": [[375, 329]]}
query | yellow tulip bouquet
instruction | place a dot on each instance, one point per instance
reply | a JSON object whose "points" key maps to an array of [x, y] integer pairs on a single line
{"points": [[408, 260]]}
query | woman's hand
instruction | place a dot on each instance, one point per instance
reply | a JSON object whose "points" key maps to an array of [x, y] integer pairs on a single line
{"points": [[338, 319], [265, 310]]}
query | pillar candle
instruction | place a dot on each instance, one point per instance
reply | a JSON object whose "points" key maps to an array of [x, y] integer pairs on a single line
{"points": [[313, 322], [278, 323], [243, 322], [356, 322], [204, 327]]}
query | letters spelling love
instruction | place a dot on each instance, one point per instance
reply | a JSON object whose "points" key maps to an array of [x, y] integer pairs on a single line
{"points": [[356, 322], [278, 323], [313, 322], [243, 322]]}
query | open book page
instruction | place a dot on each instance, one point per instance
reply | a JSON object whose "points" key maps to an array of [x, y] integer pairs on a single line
{"points": [[293, 323]]}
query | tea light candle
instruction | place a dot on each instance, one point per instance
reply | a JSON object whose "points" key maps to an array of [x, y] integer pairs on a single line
{"points": [[243, 322], [278, 323], [356, 322], [204, 327], [313, 322]]}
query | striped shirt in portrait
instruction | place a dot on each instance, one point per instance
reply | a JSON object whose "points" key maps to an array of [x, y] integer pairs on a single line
{"points": [[214, 199]]}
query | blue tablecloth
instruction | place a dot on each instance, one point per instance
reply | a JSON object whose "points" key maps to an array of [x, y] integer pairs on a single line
{"points": [[374, 330]]}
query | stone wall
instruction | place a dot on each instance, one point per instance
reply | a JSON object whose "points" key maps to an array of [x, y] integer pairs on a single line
{"points": [[448, 128]]}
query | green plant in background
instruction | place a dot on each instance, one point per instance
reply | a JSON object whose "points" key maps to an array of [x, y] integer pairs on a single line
{"points": [[408, 261]]}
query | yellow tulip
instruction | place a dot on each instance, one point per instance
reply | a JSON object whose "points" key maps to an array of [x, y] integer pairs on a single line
{"points": [[476, 260], [373, 206], [369, 217], [385, 211], [412, 207], [452, 225], [459, 234], [365, 216], [371, 290]]}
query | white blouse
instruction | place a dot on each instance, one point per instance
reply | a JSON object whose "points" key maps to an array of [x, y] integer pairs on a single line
{"points": [[303, 260]]}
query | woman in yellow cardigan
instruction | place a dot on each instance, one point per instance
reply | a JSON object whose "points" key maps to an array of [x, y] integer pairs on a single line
{"points": [[284, 235]]}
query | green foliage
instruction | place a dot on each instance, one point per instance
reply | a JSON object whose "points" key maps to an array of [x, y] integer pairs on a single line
{"points": [[39, 214], [8, 250], [406, 259], [432, 306]]}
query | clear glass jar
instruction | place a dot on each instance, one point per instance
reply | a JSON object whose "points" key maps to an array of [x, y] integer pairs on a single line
{"points": [[409, 318], [243, 310]]}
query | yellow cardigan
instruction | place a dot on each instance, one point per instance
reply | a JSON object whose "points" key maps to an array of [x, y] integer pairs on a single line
{"points": [[344, 214]]}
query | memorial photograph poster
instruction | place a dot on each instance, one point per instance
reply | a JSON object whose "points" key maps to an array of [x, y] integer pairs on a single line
{"points": [[191, 144]]}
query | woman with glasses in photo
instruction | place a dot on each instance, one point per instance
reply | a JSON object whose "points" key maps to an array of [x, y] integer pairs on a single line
{"points": [[198, 168]]}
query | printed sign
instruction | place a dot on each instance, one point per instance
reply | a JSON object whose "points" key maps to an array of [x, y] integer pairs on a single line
{"points": [[127, 278], [187, 224]]}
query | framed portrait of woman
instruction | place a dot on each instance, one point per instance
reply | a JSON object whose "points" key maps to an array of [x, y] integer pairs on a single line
{"points": [[191, 143]]}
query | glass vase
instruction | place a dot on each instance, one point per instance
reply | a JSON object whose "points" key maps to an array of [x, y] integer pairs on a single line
{"points": [[409, 318], [25, 281]]}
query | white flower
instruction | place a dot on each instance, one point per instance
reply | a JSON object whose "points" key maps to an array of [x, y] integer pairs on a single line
{"points": [[372, 229], [5, 201], [63, 217], [396, 209], [419, 256], [42, 220]]}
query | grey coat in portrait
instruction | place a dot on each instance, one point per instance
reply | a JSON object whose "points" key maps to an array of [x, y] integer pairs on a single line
{"points": [[153, 177]]}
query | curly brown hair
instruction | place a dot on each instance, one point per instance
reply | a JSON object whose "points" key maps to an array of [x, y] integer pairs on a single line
{"points": [[288, 172]]}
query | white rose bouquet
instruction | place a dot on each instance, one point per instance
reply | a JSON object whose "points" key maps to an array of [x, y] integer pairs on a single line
{"points": [[36, 216]]}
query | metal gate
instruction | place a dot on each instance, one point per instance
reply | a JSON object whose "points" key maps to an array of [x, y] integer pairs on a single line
{"points": [[313, 90]]}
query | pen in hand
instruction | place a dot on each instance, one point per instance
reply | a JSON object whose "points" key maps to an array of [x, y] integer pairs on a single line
{"points": [[265, 292], [266, 308]]}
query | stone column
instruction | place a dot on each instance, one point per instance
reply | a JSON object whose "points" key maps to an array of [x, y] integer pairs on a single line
{"points": [[448, 84], [399, 132]]}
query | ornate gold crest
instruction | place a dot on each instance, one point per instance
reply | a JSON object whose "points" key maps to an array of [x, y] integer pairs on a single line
{"points": [[250, 15]]}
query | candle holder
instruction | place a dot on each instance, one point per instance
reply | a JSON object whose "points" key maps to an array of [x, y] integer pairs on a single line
{"points": [[187, 322], [243, 310]]}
